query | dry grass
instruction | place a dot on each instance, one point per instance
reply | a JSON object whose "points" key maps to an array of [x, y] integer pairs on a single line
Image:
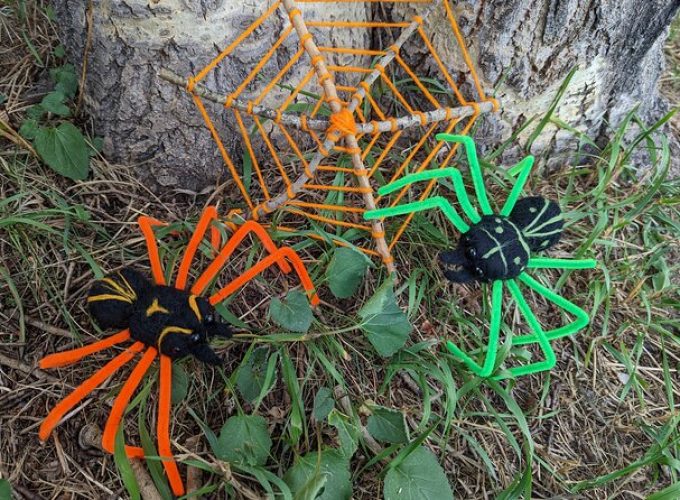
{"points": [[601, 425]]}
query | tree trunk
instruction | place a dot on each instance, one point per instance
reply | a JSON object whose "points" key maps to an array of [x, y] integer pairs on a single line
{"points": [[526, 48], [148, 122]]}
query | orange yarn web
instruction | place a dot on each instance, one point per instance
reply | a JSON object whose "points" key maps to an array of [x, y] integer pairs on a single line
{"points": [[320, 134]]}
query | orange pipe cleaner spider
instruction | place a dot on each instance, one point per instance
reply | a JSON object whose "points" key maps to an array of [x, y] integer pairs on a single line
{"points": [[169, 322]]}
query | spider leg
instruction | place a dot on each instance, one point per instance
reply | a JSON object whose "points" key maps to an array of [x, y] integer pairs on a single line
{"points": [[66, 358], [475, 169], [123, 399], [80, 392], [544, 343], [581, 320], [524, 168], [282, 253], [163, 428], [548, 263], [216, 265], [418, 206], [492, 347], [146, 225], [208, 215]]}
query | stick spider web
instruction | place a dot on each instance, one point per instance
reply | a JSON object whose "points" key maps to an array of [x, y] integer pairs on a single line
{"points": [[537, 335], [320, 153]]}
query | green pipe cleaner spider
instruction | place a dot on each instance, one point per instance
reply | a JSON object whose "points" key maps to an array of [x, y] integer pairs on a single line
{"points": [[498, 248]]}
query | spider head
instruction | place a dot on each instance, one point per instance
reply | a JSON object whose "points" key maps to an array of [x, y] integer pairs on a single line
{"points": [[179, 324], [493, 249]]}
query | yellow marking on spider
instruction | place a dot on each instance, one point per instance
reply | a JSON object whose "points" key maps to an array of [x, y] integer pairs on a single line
{"points": [[155, 307], [108, 296], [127, 285], [194, 307], [172, 329], [115, 287]]}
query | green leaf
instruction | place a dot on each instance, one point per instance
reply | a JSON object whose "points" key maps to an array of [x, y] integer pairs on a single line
{"points": [[3, 98], [244, 439], [292, 313], [66, 80], [323, 403], [59, 51], [345, 271], [5, 490], [124, 468], [54, 103], [64, 149], [348, 433], [322, 476], [35, 112], [180, 384], [384, 323], [418, 477], [672, 492], [387, 425], [251, 379], [29, 129]]}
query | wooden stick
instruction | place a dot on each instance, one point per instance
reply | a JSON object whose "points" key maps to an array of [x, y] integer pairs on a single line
{"points": [[91, 437], [296, 121]]}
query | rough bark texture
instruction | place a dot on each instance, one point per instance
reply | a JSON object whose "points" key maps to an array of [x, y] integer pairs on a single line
{"points": [[532, 44], [149, 122], [526, 48]]}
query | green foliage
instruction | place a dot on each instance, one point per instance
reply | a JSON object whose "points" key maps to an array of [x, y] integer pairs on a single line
{"points": [[320, 476], [348, 433], [292, 313], [387, 425], [62, 146], [418, 477], [5, 490], [180, 383], [323, 403], [124, 468], [244, 439], [383, 321], [256, 375], [346, 271]]}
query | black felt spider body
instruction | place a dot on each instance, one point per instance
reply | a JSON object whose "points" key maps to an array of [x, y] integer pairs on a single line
{"points": [[174, 321], [499, 247]]}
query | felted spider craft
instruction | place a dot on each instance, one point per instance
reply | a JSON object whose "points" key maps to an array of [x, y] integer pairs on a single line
{"points": [[499, 248], [168, 322]]}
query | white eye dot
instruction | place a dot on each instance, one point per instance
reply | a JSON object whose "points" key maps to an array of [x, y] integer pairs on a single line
{"points": [[533, 210], [499, 230], [517, 260], [545, 243]]}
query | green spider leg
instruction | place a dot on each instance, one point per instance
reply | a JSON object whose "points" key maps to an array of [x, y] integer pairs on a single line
{"points": [[524, 168], [494, 330], [475, 169], [419, 206], [582, 318], [549, 263], [541, 338]]}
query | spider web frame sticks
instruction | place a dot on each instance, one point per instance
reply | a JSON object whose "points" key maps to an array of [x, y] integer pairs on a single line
{"points": [[341, 128]]}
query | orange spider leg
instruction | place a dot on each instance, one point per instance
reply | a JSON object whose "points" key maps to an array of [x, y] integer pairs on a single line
{"points": [[123, 399], [216, 266], [146, 225], [280, 254], [69, 357], [215, 238], [80, 392], [163, 428], [208, 215]]}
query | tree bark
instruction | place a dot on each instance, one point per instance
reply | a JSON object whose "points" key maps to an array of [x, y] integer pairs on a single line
{"points": [[525, 48], [150, 123]]}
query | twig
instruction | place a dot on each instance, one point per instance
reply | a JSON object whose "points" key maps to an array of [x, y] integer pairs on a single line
{"points": [[49, 329], [91, 437], [29, 370]]}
